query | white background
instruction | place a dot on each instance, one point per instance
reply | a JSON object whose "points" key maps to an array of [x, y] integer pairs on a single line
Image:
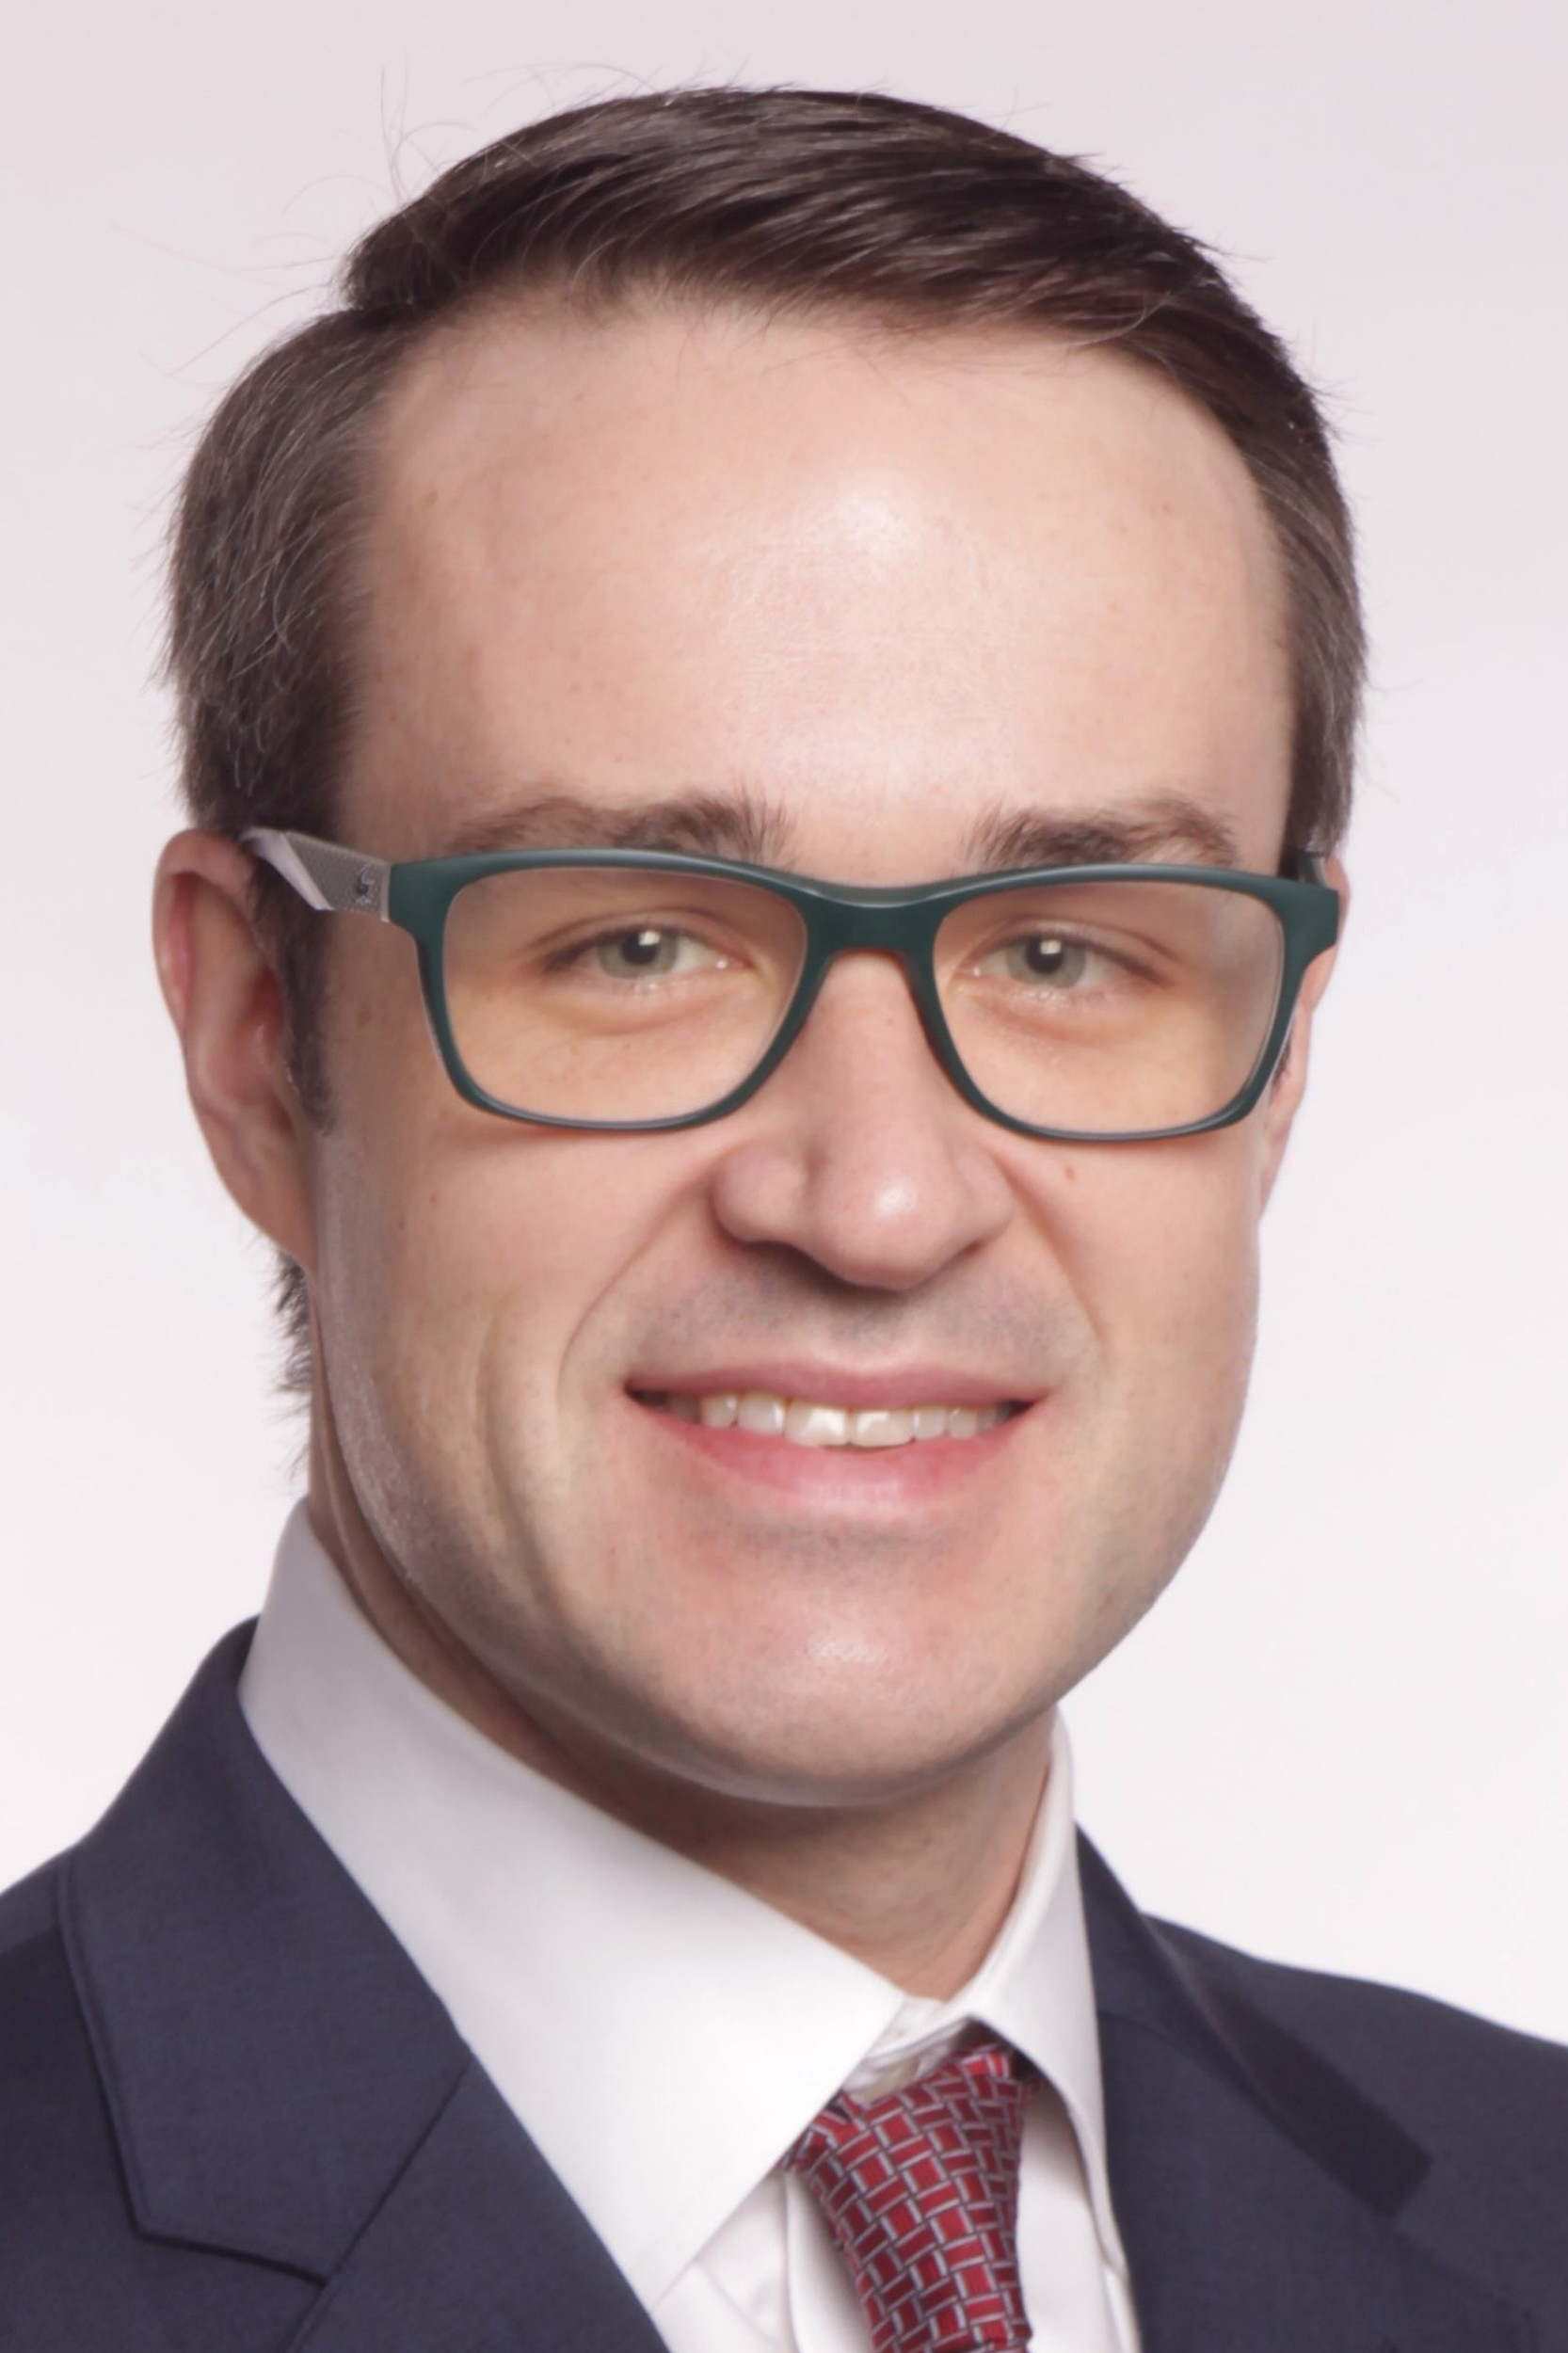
{"points": [[1342, 1737]]}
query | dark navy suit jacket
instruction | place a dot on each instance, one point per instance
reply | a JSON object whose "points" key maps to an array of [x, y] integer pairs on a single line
{"points": [[234, 2118]]}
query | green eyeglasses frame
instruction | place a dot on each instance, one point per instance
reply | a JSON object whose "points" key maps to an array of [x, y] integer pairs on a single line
{"points": [[416, 894]]}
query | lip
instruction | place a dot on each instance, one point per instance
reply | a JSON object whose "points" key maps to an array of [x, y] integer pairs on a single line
{"points": [[906, 1386], [829, 1483]]}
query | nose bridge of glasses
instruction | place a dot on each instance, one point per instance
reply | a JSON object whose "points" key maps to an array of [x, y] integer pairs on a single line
{"points": [[898, 925], [894, 924]]}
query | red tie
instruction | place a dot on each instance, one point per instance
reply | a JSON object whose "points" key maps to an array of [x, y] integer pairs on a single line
{"points": [[921, 2190]]}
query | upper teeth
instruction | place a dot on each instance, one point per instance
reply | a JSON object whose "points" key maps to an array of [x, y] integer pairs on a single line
{"points": [[807, 1421]]}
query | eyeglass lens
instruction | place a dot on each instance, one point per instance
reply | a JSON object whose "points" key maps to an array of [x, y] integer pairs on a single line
{"points": [[617, 993]]}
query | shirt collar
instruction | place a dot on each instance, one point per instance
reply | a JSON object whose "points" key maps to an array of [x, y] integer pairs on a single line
{"points": [[663, 2035], [1035, 1989]]}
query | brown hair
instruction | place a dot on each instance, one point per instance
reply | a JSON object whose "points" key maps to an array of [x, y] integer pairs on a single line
{"points": [[782, 200]]}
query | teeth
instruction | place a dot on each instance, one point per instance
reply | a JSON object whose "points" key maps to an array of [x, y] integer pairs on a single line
{"points": [[881, 1427], [816, 1425], [761, 1414], [807, 1421]]}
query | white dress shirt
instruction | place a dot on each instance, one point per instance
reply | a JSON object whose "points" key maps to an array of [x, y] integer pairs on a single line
{"points": [[662, 2035]]}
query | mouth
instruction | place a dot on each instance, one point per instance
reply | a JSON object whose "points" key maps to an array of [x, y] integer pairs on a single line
{"points": [[822, 1422]]}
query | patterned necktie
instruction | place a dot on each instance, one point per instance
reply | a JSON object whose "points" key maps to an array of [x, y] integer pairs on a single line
{"points": [[921, 2190]]}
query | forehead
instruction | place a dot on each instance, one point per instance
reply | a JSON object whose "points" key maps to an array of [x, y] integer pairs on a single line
{"points": [[880, 590]]}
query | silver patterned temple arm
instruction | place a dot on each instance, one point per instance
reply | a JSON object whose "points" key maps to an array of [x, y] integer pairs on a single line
{"points": [[326, 877]]}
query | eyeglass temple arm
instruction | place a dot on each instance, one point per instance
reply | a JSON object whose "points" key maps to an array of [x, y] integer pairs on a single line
{"points": [[328, 878]]}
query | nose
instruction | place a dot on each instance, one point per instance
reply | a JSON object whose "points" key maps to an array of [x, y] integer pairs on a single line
{"points": [[858, 1152]]}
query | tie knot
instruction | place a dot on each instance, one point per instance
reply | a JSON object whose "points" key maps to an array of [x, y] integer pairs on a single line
{"points": [[920, 2191]]}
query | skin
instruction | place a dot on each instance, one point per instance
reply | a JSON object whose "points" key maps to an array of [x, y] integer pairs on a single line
{"points": [[878, 592]]}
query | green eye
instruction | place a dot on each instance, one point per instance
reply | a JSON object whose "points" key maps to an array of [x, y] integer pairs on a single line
{"points": [[645, 953], [1046, 959], [633, 955]]}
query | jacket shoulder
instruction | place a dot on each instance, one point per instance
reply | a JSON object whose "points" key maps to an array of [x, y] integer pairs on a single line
{"points": [[75, 2274], [1444, 2070], [49, 2096], [1487, 2104]]}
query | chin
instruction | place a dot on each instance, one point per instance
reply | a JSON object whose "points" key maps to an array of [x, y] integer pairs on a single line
{"points": [[846, 1740]]}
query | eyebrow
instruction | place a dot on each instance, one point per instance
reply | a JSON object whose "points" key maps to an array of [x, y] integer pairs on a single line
{"points": [[694, 824], [1165, 827], [747, 827]]}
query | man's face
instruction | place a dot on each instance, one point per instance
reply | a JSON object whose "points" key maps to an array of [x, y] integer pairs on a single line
{"points": [[882, 599]]}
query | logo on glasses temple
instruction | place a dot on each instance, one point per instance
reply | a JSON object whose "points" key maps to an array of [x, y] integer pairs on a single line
{"points": [[364, 887]]}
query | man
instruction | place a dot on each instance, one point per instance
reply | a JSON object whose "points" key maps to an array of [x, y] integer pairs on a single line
{"points": [[768, 705]]}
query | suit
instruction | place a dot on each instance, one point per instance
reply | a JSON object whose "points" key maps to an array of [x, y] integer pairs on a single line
{"points": [[234, 2116]]}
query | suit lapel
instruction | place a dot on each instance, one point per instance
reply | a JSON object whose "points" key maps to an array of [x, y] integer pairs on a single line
{"points": [[268, 2053], [478, 2246], [284, 2086], [1257, 2190]]}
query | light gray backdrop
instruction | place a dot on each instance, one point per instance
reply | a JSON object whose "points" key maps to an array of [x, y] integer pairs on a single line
{"points": [[1342, 1737]]}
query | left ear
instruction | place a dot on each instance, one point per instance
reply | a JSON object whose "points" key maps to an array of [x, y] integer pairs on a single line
{"points": [[1288, 1084]]}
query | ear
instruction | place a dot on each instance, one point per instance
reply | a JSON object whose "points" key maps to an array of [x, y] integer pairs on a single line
{"points": [[1288, 1084], [225, 1002]]}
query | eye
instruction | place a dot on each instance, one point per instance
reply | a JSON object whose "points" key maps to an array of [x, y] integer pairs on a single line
{"points": [[1046, 959], [650, 952]]}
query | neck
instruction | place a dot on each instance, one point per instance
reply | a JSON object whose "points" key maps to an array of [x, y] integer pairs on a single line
{"points": [[916, 1886]]}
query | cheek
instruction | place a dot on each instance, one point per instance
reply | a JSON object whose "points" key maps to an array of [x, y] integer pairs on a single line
{"points": [[461, 1254], [453, 1247], [1163, 1240]]}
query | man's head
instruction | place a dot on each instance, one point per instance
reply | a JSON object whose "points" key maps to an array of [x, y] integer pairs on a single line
{"points": [[867, 491]]}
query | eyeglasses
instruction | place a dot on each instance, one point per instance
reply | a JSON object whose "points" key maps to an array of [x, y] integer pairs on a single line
{"points": [[631, 990]]}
